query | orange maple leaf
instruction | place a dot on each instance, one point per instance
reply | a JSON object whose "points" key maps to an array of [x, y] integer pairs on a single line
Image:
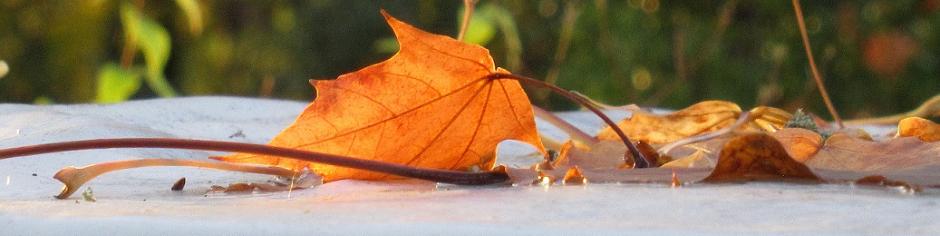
{"points": [[431, 105]]}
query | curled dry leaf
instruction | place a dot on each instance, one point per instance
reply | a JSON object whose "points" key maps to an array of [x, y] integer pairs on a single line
{"points": [[923, 129], [757, 156], [431, 105], [694, 120], [659, 129]]}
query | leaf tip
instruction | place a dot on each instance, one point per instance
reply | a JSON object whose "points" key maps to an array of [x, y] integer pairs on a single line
{"points": [[385, 14], [392, 21]]}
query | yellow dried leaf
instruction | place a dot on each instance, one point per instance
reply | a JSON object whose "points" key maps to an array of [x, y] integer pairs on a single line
{"points": [[659, 129], [923, 129]]}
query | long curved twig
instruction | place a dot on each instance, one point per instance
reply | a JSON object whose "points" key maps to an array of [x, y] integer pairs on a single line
{"points": [[73, 178], [443, 176], [812, 65], [468, 5], [640, 161]]}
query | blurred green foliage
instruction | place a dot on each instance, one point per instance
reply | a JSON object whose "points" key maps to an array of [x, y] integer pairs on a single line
{"points": [[877, 56]]}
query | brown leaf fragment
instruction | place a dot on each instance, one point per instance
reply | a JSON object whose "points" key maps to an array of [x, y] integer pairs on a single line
{"points": [[239, 188], [880, 180], [267, 187], [574, 177], [675, 180], [801, 144], [757, 157], [216, 188], [923, 129], [178, 186]]}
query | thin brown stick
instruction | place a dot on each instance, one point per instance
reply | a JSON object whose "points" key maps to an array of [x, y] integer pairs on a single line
{"points": [[443, 176], [640, 161], [468, 5], [73, 178], [127, 54], [812, 65]]}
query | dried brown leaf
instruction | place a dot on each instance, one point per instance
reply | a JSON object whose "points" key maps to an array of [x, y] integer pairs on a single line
{"points": [[757, 156]]}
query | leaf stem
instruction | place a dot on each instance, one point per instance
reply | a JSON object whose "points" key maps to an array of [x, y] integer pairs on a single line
{"points": [[469, 6], [443, 176], [640, 161], [812, 65]]}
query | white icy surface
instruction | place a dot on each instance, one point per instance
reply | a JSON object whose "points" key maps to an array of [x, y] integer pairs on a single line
{"points": [[139, 202]]}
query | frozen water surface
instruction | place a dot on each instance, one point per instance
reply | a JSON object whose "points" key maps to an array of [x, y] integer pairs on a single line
{"points": [[139, 202]]}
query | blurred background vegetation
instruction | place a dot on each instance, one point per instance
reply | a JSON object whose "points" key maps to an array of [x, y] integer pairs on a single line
{"points": [[877, 57]]}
